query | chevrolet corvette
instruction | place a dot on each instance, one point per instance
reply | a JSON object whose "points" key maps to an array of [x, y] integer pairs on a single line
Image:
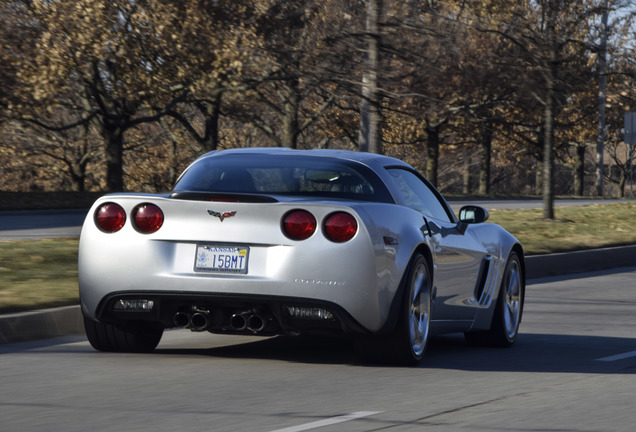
{"points": [[271, 241]]}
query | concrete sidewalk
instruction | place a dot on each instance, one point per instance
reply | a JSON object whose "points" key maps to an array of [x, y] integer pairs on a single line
{"points": [[41, 324]]}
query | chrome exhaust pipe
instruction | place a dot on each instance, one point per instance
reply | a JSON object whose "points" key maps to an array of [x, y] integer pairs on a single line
{"points": [[256, 323], [181, 319], [238, 322], [198, 321]]}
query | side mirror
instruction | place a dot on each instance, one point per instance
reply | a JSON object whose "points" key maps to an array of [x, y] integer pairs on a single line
{"points": [[471, 214]]}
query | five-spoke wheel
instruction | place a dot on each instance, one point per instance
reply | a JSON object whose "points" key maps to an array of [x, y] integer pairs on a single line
{"points": [[419, 307], [507, 315]]}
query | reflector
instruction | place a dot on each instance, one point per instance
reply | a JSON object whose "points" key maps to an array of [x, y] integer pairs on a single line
{"points": [[134, 305], [309, 313]]}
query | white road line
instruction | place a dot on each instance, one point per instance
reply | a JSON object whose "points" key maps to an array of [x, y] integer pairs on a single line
{"points": [[618, 357], [329, 421]]}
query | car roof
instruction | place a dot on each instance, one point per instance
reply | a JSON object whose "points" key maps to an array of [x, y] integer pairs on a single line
{"points": [[372, 160]]}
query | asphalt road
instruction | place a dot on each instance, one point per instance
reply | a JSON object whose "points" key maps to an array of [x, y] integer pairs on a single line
{"points": [[572, 369], [21, 225]]}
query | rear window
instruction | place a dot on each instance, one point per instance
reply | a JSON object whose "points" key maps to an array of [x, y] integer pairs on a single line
{"points": [[284, 175]]}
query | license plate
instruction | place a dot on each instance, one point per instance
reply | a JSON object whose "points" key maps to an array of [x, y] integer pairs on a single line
{"points": [[221, 259]]}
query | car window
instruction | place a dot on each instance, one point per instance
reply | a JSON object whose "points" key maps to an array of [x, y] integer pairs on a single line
{"points": [[286, 175], [418, 195]]}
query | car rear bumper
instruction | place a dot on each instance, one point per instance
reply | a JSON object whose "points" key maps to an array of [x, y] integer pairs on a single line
{"points": [[228, 313]]}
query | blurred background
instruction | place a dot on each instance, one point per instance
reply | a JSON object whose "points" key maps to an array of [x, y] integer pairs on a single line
{"points": [[483, 96]]}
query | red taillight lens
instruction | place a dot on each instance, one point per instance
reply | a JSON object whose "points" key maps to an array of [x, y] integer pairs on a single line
{"points": [[110, 217], [340, 227], [299, 225], [148, 218]]}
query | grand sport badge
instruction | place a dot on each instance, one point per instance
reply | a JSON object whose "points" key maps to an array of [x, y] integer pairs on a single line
{"points": [[223, 215]]}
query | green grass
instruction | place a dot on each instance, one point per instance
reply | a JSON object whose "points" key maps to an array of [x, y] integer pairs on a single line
{"points": [[574, 228], [43, 273], [38, 274]]}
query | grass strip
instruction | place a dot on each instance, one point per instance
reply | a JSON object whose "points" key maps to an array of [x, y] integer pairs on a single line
{"points": [[573, 228], [38, 274]]}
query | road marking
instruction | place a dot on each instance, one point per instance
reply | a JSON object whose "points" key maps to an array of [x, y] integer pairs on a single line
{"points": [[618, 357], [329, 421]]}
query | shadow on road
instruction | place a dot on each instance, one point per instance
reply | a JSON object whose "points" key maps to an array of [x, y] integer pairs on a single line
{"points": [[300, 349], [543, 353], [540, 353]]}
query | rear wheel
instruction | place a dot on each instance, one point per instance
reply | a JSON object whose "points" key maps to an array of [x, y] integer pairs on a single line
{"points": [[507, 316], [407, 343], [134, 337]]}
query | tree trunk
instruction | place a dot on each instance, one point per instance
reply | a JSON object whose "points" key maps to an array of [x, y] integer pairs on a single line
{"points": [[622, 180], [172, 171], [485, 149], [212, 112], [548, 155], [538, 178], [550, 75], [602, 96], [466, 175], [78, 176], [172, 151], [579, 171], [432, 152], [290, 120], [370, 135], [114, 138]]}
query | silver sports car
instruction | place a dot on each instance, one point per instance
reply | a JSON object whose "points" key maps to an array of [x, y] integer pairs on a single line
{"points": [[275, 241]]}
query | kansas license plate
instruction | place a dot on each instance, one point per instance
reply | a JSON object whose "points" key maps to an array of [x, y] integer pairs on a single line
{"points": [[222, 259]]}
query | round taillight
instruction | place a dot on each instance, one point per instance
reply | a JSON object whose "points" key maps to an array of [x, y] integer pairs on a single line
{"points": [[340, 227], [148, 218], [110, 217], [299, 224]]}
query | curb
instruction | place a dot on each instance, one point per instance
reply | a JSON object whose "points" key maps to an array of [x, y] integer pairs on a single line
{"points": [[68, 320], [557, 264], [41, 324]]}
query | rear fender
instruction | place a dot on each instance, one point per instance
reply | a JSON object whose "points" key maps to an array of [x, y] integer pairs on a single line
{"points": [[400, 233]]}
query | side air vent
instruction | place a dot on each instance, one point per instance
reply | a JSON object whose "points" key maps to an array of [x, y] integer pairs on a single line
{"points": [[483, 289]]}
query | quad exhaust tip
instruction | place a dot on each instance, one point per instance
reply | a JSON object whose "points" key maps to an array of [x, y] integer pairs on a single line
{"points": [[248, 321], [238, 322], [197, 321], [200, 321], [181, 319], [256, 323]]}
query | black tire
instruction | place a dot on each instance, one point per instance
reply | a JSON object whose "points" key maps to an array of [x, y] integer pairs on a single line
{"points": [[504, 327], [134, 337], [407, 342]]}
